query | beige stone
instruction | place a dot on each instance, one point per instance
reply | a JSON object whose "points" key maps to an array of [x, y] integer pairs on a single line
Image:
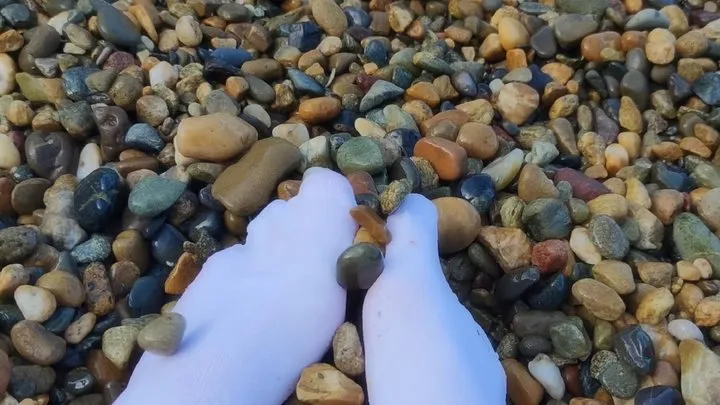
{"points": [[323, 384]]}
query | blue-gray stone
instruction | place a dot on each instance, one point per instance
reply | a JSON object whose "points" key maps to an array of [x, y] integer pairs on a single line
{"points": [[402, 77], [659, 395], [511, 286], [634, 346], [377, 52], [19, 15], [464, 84], [304, 36], [95, 249], [114, 26], [144, 137], [60, 320], [357, 16], [305, 84], [647, 19], [96, 198], [707, 87], [153, 195], [74, 82], [146, 296], [547, 218], [233, 56], [431, 63], [167, 245], [608, 237], [380, 92]]}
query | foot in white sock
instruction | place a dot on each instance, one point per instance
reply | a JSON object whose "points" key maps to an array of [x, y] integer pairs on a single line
{"points": [[258, 314], [422, 347]]}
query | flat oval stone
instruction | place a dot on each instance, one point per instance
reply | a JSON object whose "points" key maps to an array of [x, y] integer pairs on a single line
{"points": [[66, 287], [153, 195], [36, 344], [35, 303], [163, 335], [601, 300], [27, 381], [246, 186], [359, 266], [634, 347], [447, 157], [115, 26]]}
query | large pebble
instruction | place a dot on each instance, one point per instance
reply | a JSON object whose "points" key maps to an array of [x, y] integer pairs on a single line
{"points": [[214, 137], [599, 299], [36, 344], [163, 335], [246, 186], [118, 343], [547, 374], [700, 372], [458, 224], [348, 351], [323, 384]]}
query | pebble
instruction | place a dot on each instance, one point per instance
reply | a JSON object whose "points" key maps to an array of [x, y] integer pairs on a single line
{"points": [[163, 335], [153, 195], [360, 154], [118, 343], [614, 375], [66, 288], [36, 304], [359, 266], [99, 297], [214, 137], [260, 172], [509, 246], [570, 339], [458, 224], [599, 299], [348, 351], [634, 347], [522, 388], [548, 375], [80, 328], [322, 383], [700, 369], [36, 344]]}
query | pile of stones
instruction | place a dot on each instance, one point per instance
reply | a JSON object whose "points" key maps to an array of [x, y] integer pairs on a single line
{"points": [[570, 148]]}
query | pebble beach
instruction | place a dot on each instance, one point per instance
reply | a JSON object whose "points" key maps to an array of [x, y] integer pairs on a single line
{"points": [[571, 149]]}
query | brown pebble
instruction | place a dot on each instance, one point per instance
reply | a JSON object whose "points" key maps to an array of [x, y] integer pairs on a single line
{"points": [[36, 344], [131, 246], [184, 272], [100, 299], [447, 158], [367, 218], [123, 275], [67, 289], [478, 140], [288, 189], [320, 109], [522, 387], [458, 224], [361, 182]]}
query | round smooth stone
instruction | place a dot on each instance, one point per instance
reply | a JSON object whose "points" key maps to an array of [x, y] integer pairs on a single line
{"points": [[146, 296], [163, 335], [478, 190], [514, 284], [95, 198], [359, 266], [659, 395]]}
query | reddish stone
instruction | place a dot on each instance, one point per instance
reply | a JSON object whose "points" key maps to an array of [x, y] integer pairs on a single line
{"points": [[6, 188], [365, 81], [571, 376], [447, 157], [550, 255], [504, 138], [362, 183], [583, 186], [119, 61]]}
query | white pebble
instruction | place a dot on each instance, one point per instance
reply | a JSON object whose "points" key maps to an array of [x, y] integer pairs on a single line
{"points": [[7, 74], [682, 329], [365, 127], [9, 154], [330, 46], [90, 159], [36, 304], [59, 20], [315, 153], [164, 73], [548, 375], [257, 111], [294, 133]]}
